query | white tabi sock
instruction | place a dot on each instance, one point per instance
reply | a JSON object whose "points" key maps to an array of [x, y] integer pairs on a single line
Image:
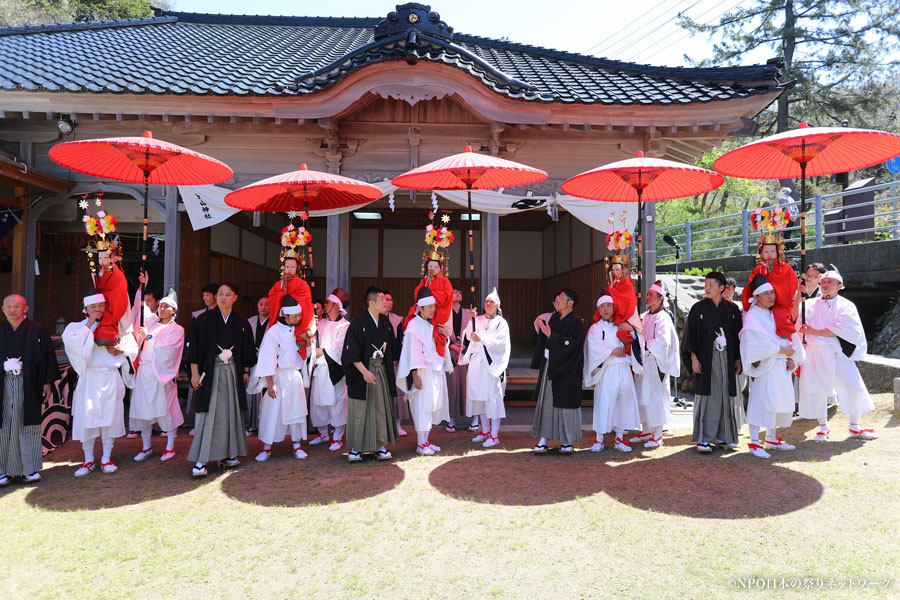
{"points": [[754, 434], [854, 422], [620, 433], [339, 432], [267, 446], [170, 439], [422, 437], [146, 436], [495, 428], [475, 420], [485, 424], [107, 449], [88, 447], [323, 431], [451, 423], [771, 436], [656, 432], [823, 425], [542, 442]]}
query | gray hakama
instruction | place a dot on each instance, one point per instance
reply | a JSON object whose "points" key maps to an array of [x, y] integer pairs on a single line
{"points": [[20, 445], [716, 416], [563, 424], [370, 422], [219, 433]]}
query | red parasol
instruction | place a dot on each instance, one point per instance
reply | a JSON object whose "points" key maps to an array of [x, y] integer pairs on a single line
{"points": [[467, 171], [806, 152], [303, 190], [641, 180], [141, 160]]}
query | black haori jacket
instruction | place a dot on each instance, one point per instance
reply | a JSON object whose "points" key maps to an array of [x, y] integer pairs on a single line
{"points": [[566, 345], [206, 335], [33, 345], [362, 338], [700, 330]]}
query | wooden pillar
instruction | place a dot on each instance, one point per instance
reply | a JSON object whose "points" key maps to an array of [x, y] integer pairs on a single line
{"points": [[337, 268], [19, 241], [490, 254]]}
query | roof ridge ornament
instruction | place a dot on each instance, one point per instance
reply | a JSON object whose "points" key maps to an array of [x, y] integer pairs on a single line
{"points": [[413, 17]]}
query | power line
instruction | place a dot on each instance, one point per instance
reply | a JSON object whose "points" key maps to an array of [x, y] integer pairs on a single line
{"points": [[639, 34], [678, 40], [608, 40], [648, 34]]}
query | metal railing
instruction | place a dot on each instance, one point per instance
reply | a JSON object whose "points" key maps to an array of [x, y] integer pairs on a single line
{"points": [[732, 234]]}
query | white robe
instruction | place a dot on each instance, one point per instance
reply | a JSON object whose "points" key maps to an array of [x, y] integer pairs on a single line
{"points": [[771, 402], [828, 371], [279, 357], [661, 361], [155, 396], [97, 405], [419, 353], [328, 401], [615, 397], [486, 383]]}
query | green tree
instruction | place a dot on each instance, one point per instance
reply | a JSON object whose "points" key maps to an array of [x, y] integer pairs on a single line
{"points": [[839, 53], [37, 12]]}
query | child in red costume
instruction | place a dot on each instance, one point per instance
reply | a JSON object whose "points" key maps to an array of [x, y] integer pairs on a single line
{"points": [[442, 290], [299, 289], [783, 279], [110, 281], [621, 288]]}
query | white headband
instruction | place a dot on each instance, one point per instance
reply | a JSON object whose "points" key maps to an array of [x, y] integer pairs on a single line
{"points": [[604, 299], [426, 301], [658, 289], [290, 310], [95, 299], [833, 275], [763, 288], [336, 300]]}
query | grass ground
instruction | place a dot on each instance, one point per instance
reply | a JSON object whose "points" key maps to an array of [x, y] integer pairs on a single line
{"points": [[498, 523]]}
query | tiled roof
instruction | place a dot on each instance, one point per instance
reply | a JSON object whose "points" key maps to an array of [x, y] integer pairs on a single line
{"points": [[199, 54]]}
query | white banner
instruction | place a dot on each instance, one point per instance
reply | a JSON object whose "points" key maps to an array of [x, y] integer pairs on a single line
{"points": [[205, 204]]}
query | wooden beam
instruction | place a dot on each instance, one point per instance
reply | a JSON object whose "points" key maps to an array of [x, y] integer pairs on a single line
{"points": [[19, 243]]}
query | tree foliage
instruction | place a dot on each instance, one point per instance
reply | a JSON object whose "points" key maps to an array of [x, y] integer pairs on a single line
{"points": [[840, 53], [37, 12]]}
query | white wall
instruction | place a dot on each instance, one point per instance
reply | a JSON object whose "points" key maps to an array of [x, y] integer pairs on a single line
{"points": [[581, 244], [253, 248], [364, 253], [403, 250]]}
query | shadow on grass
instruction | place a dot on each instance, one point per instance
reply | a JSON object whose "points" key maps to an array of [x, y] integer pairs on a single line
{"points": [[133, 483], [732, 486], [322, 478]]}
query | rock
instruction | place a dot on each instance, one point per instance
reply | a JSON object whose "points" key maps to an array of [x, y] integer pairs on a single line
{"points": [[887, 342]]}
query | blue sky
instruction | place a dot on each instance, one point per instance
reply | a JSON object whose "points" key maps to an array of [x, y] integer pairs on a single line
{"points": [[645, 31]]}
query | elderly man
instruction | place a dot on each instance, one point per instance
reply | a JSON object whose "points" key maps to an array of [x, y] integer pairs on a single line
{"points": [[103, 372], [768, 360], [29, 365], [835, 340], [710, 348]]}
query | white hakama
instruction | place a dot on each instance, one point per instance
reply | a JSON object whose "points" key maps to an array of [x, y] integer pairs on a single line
{"points": [[771, 402], [97, 405], [828, 370], [615, 397], [429, 404], [155, 396], [487, 360], [279, 357], [661, 361], [328, 401]]}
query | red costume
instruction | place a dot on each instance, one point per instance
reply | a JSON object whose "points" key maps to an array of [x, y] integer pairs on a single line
{"points": [[624, 305], [111, 283], [442, 290], [784, 280], [299, 289]]}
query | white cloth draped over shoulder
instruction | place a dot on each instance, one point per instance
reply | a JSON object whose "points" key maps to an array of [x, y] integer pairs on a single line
{"points": [[279, 358], [486, 381], [419, 354], [828, 370], [331, 341], [615, 397], [661, 361], [97, 407], [771, 402], [155, 395]]}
